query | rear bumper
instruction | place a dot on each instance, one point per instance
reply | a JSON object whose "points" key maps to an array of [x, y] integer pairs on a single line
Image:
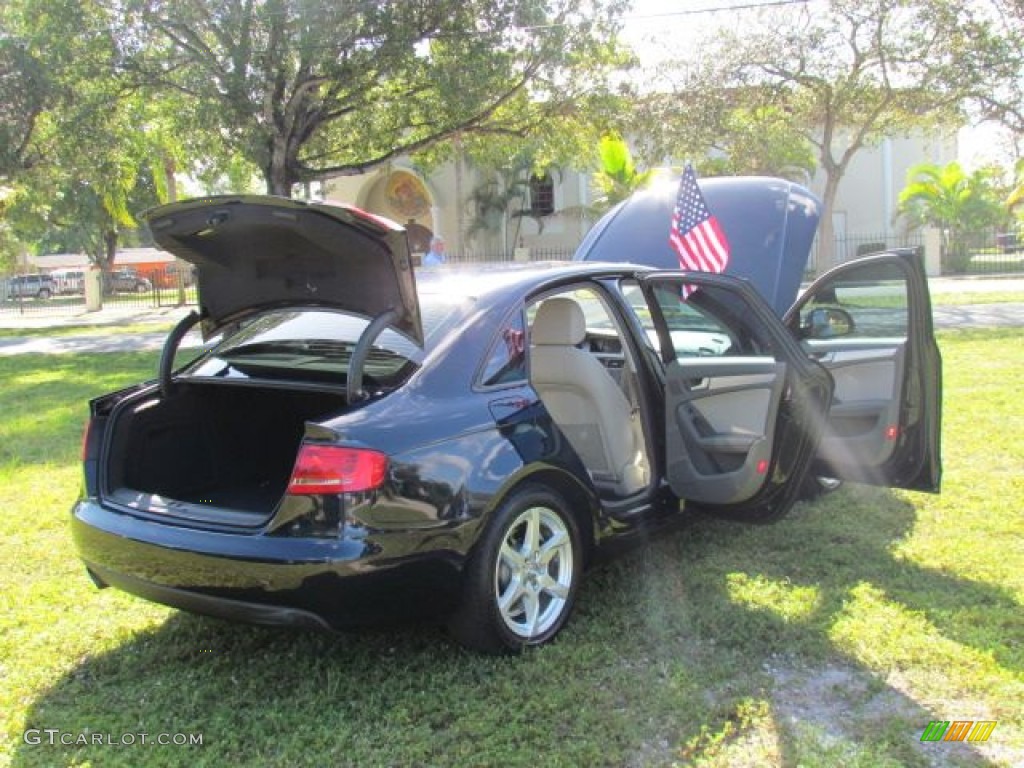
{"points": [[263, 579]]}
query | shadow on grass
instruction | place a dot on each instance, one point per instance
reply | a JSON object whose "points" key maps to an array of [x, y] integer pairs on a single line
{"points": [[677, 649]]}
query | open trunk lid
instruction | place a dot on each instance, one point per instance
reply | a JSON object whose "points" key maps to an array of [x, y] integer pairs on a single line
{"points": [[254, 253]]}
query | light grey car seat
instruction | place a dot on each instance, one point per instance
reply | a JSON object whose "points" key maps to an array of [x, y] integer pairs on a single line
{"points": [[585, 401]]}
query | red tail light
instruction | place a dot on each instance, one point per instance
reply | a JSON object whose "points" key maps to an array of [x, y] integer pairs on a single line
{"points": [[326, 469], [85, 439]]}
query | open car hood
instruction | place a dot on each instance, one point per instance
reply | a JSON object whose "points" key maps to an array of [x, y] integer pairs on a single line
{"points": [[770, 224], [254, 253]]}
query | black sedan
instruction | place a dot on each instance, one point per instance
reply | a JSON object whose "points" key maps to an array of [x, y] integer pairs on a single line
{"points": [[359, 441]]}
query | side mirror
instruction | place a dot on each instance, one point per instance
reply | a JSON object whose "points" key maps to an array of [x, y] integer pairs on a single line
{"points": [[827, 323]]}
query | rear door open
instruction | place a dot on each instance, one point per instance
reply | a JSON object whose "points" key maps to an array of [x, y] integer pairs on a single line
{"points": [[742, 400]]}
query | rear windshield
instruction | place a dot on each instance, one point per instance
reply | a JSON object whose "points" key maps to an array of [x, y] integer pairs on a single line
{"points": [[316, 346]]}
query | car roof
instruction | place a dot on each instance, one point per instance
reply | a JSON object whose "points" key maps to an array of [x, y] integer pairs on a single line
{"points": [[507, 279]]}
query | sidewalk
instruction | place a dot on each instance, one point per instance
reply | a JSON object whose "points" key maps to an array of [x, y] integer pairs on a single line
{"points": [[164, 316], [975, 284]]}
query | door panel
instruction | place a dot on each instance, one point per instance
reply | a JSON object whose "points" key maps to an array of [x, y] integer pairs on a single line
{"points": [[721, 426], [865, 408], [869, 324], [743, 400]]}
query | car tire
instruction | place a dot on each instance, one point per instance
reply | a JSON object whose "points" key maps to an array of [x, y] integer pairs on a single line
{"points": [[818, 485], [521, 580], [141, 288], [44, 293]]}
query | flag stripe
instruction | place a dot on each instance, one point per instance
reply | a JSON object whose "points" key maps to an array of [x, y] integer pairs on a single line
{"points": [[696, 236]]}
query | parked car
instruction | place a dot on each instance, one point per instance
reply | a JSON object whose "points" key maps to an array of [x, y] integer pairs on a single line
{"points": [[68, 281], [37, 286], [127, 281], [1009, 242], [359, 442]]}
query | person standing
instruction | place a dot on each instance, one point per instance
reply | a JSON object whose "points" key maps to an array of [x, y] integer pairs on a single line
{"points": [[435, 256]]}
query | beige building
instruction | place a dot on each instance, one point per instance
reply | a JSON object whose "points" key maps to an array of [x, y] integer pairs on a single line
{"points": [[547, 219], [555, 222], [866, 205]]}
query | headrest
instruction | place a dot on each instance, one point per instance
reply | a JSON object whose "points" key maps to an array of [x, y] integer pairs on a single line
{"points": [[559, 322]]}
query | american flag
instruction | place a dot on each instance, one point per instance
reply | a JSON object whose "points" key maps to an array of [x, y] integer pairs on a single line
{"points": [[696, 235]]}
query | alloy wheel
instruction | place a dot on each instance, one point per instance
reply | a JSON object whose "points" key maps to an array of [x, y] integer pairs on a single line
{"points": [[533, 573]]}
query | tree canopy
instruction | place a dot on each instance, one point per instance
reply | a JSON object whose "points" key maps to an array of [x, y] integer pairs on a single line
{"points": [[88, 158], [102, 104], [838, 77], [305, 90]]}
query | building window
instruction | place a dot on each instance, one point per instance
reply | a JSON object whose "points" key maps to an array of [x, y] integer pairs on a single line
{"points": [[542, 195]]}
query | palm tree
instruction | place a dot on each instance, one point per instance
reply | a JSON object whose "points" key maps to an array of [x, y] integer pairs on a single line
{"points": [[1016, 196], [955, 202], [618, 177]]}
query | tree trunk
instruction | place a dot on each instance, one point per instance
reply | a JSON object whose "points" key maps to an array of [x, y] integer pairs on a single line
{"points": [[279, 180], [170, 168], [180, 266], [826, 229], [110, 245]]}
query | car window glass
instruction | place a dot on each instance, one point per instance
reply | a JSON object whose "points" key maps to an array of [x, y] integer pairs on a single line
{"points": [[707, 322], [317, 345], [598, 320], [603, 338], [869, 301], [506, 362]]}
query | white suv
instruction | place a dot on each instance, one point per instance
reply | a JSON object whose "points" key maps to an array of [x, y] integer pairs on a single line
{"points": [[31, 287]]}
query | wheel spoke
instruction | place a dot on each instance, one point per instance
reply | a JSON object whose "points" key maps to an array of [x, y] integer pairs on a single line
{"points": [[513, 591], [512, 558], [532, 541], [554, 588], [553, 546], [531, 602]]}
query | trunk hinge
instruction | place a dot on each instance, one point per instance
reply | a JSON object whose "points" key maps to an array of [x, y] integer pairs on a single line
{"points": [[170, 348], [354, 386]]}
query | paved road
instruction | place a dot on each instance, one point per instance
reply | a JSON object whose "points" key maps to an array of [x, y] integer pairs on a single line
{"points": [[979, 315], [966, 316], [89, 342]]}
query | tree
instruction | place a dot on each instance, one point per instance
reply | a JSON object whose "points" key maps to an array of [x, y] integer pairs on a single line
{"points": [[726, 133], [618, 177], [954, 201], [24, 91], [845, 76], [307, 90], [1000, 95], [94, 154], [1016, 197], [501, 194]]}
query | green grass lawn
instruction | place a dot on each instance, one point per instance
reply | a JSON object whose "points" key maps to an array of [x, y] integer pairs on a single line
{"points": [[89, 329], [979, 297], [829, 639]]}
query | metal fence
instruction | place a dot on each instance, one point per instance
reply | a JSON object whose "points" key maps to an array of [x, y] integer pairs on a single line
{"points": [[62, 292], [984, 252], [517, 255], [854, 246]]}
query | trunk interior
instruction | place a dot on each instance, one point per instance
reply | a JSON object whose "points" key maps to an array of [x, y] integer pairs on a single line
{"points": [[215, 452]]}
